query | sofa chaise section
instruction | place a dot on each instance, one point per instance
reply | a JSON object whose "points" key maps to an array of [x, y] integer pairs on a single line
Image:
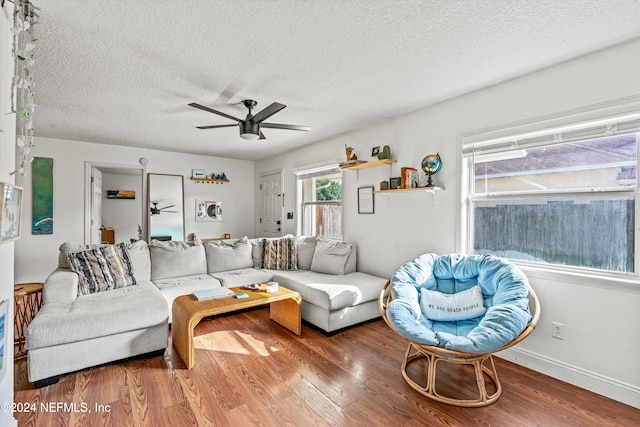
{"points": [[73, 332]]}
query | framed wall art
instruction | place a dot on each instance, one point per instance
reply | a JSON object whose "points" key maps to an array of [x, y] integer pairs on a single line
{"points": [[4, 312], [365, 200], [10, 212]]}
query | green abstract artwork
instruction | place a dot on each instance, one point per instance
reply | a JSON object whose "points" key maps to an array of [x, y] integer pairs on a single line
{"points": [[42, 191]]}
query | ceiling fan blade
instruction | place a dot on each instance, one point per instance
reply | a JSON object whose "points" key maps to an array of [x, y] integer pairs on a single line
{"points": [[283, 126], [267, 112], [216, 126], [262, 136], [211, 110], [167, 207]]}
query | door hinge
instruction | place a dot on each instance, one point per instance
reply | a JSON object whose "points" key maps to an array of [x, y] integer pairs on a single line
{"points": [[260, 220], [260, 186]]}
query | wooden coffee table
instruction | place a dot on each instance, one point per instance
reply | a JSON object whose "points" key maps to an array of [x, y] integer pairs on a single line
{"points": [[284, 307]]}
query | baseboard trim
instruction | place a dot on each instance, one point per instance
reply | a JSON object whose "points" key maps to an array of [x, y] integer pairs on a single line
{"points": [[592, 381]]}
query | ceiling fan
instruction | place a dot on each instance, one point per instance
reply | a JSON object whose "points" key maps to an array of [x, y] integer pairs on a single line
{"points": [[250, 126], [155, 210]]}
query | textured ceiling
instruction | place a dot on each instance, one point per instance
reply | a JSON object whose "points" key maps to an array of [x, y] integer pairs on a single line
{"points": [[122, 72]]}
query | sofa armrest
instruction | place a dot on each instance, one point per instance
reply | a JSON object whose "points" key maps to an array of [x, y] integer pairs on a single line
{"points": [[60, 287]]}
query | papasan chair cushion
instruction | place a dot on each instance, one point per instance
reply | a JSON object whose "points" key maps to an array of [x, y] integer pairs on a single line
{"points": [[504, 289]]}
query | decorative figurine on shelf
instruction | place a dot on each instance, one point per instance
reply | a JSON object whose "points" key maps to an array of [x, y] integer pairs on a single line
{"points": [[348, 151], [354, 157], [431, 164], [223, 176], [385, 153]]}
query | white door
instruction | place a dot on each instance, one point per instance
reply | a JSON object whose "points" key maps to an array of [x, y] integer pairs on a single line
{"points": [[271, 205], [96, 205]]}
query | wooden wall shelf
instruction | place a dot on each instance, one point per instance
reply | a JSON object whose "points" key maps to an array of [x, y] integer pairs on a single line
{"points": [[209, 180], [372, 164], [404, 190]]}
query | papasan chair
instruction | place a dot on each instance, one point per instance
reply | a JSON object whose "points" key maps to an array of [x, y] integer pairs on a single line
{"points": [[459, 310]]}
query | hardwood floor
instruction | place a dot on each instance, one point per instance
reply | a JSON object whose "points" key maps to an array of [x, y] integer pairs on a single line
{"points": [[251, 371]]}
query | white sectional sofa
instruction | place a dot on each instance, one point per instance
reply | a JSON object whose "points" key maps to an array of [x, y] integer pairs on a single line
{"points": [[80, 326]]}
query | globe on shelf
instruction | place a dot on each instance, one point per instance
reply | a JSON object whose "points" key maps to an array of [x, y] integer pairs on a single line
{"points": [[430, 165]]}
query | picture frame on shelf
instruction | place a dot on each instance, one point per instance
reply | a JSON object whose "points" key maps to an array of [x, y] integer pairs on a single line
{"points": [[375, 151], [198, 173], [394, 183], [10, 212], [366, 201]]}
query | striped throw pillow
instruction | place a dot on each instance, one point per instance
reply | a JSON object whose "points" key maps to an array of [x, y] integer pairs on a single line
{"points": [[102, 269], [280, 254]]}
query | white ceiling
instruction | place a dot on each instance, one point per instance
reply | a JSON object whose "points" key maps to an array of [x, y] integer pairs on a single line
{"points": [[122, 72]]}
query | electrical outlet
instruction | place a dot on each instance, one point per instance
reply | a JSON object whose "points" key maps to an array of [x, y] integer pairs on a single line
{"points": [[558, 330]]}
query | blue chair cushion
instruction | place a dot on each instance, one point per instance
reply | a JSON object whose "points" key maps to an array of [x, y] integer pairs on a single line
{"points": [[504, 288]]}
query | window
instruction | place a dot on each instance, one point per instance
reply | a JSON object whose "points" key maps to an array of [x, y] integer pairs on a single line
{"points": [[320, 194], [565, 196]]}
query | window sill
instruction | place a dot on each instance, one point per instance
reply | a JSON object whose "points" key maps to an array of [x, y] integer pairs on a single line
{"points": [[580, 277]]}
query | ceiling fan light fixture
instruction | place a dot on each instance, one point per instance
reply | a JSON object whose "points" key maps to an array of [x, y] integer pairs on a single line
{"points": [[249, 130], [249, 136]]}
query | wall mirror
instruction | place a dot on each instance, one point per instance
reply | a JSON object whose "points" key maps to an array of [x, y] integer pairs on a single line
{"points": [[166, 206]]}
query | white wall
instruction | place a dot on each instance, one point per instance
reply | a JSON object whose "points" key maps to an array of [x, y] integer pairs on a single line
{"points": [[601, 319], [7, 165], [36, 256]]}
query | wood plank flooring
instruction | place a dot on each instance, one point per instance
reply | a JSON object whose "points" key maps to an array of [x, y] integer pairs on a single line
{"points": [[250, 371]]}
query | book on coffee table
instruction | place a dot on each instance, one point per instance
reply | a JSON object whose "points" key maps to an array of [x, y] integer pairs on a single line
{"points": [[212, 293]]}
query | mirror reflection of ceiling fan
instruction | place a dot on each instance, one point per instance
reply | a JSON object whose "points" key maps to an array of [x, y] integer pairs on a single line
{"points": [[155, 210], [250, 126]]}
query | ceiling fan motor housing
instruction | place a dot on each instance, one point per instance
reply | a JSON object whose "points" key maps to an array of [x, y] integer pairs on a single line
{"points": [[248, 128]]}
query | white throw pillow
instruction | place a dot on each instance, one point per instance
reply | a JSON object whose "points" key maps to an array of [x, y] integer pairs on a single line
{"points": [[451, 307], [330, 256]]}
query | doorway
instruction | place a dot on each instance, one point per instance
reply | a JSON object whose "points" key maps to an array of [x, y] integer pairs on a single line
{"points": [[115, 197], [271, 204]]}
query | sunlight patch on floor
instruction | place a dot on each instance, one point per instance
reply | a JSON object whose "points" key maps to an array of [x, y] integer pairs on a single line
{"points": [[233, 342]]}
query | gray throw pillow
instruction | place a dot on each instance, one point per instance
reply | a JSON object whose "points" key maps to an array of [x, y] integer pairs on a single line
{"points": [[176, 259], [330, 256], [225, 255], [306, 248]]}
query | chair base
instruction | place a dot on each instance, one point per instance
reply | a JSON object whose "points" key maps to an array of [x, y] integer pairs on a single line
{"points": [[482, 364]]}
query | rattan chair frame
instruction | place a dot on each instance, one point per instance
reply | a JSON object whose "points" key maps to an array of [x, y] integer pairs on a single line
{"points": [[482, 363]]}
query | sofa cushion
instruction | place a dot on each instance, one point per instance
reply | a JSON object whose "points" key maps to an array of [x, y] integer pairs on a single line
{"points": [[174, 287], [141, 260], [330, 256], [329, 291], [176, 259], [306, 248], [242, 277], [279, 253], [102, 269], [97, 315], [224, 255]]}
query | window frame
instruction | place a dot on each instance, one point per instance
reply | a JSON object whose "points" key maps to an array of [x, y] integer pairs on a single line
{"points": [[576, 123], [315, 171]]}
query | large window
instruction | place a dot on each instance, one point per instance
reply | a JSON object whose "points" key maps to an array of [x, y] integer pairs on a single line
{"points": [[564, 196], [320, 193]]}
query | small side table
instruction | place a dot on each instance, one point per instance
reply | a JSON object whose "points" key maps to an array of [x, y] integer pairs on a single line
{"points": [[28, 300]]}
